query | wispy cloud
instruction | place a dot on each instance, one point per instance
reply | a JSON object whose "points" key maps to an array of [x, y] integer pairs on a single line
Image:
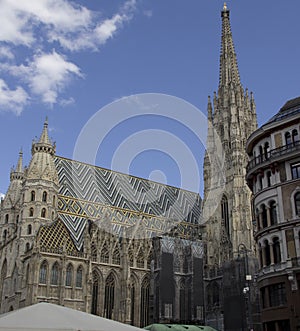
{"points": [[12, 100], [38, 27], [6, 53]]}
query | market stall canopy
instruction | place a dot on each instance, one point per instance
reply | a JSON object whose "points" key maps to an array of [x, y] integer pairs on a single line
{"points": [[50, 317]]}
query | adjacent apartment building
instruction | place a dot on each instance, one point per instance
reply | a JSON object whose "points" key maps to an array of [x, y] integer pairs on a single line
{"points": [[273, 174]]}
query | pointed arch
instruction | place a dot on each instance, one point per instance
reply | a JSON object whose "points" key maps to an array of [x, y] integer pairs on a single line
{"points": [[116, 256], [104, 255], [145, 301], [69, 275], [140, 261], [132, 289], [95, 292], [225, 214], [43, 272], [79, 276], [54, 274], [109, 296]]}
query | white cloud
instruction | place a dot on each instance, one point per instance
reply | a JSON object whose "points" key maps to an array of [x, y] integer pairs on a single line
{"points": [[74, 27], [38, 26], [12, 100], [2, 195], [5, 52], [47, 75], [20, 18], [67, 102]]}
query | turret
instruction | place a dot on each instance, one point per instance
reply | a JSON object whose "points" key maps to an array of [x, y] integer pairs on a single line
{"points": [[10, 206], [40, 187]]}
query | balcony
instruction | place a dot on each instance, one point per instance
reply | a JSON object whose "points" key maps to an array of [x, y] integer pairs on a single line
{"points": [[273, 155]]}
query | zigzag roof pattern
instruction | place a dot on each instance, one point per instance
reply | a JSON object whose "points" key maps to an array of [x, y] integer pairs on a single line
{"points": [[89, 192]]}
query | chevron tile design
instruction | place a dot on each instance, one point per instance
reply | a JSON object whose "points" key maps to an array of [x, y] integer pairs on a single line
{"points": [[90, 192]]}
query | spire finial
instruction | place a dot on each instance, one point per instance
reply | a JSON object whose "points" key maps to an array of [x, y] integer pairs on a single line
{"points": [[225, 6]]}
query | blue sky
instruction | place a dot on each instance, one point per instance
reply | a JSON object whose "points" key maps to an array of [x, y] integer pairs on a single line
{"points": [[68, 59]]}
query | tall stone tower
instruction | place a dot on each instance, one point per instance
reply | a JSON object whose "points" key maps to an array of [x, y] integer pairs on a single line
{"points": [[231, 119]]}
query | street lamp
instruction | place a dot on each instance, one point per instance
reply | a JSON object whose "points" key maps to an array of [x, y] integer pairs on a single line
{"points": [[247, 287]]}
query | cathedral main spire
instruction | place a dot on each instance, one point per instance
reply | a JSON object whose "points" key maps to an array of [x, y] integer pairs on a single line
{"points": [[231, 120], [229, 72]]}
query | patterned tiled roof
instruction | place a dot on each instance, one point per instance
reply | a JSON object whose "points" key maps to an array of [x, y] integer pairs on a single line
{"points": [[88, 192]]}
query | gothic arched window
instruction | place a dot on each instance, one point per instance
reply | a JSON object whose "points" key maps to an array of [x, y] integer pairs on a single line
{"points": [[43, 273], [225, 214], [140, 259], [54, 274], [29, 229], [31, 212], [27, 247], [95, 293], [44, 198], [109, 297], [79, 277], [6, 218], [69, 275], [297, 203], [132, 299], [116, 256], [104, 257], [145, 300]]}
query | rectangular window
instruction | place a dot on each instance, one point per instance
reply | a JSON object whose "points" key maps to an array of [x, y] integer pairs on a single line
{"points": [[277, 295], [295, 168]]}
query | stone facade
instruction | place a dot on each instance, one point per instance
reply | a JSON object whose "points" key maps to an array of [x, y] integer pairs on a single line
{"points": [[231, 119], [273, 174], [82, 236], [227, 198]]}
